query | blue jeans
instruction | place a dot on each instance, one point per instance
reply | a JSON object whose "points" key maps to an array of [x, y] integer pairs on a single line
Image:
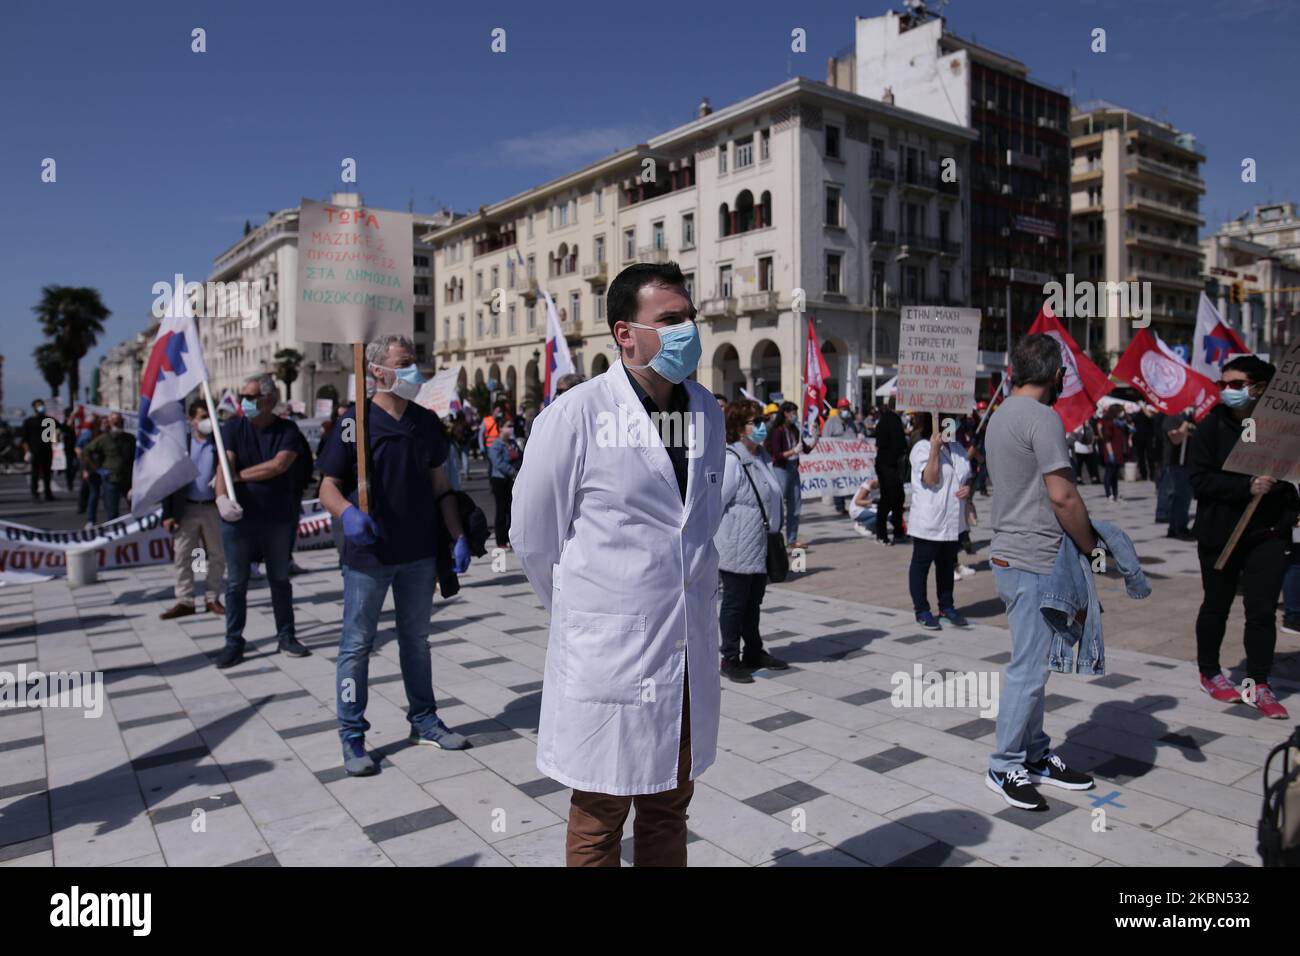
{"points": [[364, 590], [111, 493], [1163, 484], [246, 542], [1020, 735], [1180, 498], [1110, 478], [93, 485], [789, 478]]}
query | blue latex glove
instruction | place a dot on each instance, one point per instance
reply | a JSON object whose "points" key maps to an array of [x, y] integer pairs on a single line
{"points": [[460, 555], [358, 527]]}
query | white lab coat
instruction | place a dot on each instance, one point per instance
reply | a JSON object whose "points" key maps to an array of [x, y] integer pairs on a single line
{"points": [[630, 577]]}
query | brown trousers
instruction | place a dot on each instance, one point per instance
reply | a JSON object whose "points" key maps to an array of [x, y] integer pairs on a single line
{"points": [[659, 830]]}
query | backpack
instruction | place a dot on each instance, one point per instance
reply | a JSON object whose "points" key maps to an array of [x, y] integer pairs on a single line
{"points": [[1279, 822]]}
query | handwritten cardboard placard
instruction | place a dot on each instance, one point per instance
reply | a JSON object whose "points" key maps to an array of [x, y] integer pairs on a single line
{"points": [[1275, 450], [355, 273], [938, 350], [836, 466]]}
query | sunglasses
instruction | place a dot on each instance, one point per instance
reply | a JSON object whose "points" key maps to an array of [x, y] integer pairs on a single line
{"points": [[1238, 383]]}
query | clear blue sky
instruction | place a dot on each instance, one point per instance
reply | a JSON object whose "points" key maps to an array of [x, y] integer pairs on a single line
{"points": [[162, 153]]}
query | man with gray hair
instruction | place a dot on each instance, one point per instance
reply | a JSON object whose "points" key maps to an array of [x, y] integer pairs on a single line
{"points": [[566, 382], [397, 545], [261, 522]]}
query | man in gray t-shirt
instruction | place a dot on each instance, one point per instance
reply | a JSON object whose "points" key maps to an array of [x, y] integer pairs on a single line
{"points": [[1035, 502], [1026, 440]]}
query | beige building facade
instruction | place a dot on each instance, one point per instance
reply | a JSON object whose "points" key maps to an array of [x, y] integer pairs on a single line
{"points": [[1136, 188], [787, 205], [1253, 262]]}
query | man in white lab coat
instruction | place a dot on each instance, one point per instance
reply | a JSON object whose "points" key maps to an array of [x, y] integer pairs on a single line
{"points": [[614, 514]]}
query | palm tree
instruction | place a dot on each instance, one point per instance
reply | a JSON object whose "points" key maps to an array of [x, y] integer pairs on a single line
{"points": [[72, 318], [286, 369], [50, 366]]}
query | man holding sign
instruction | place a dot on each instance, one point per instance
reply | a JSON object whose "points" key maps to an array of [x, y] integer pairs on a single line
{"points": [[1243, 523]]}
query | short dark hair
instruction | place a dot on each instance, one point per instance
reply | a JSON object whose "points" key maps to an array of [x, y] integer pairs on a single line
{"points": [[196, 406], [789, 407], [924, 423], [738, 414], [620, 300], [1254, 368], [1035, 360]]}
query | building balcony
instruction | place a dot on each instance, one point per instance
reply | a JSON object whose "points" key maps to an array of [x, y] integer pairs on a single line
{"points": [[949, 247], [918, 181], [718, 307], [1161, 242], [1093, 174], [882, 172], [1169, 210], [597, 273], [1141, 165], [652, 254], [527, 288], [883, 237], [915, 241], [764, 303], [447, 346], [1184, 283]]}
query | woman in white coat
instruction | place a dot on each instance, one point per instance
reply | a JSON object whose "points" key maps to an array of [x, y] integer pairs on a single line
{"points": [[940, 487], [751, 507], [614, 527]]}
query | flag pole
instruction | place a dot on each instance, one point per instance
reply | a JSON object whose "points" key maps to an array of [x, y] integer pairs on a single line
{"points": [[359, 377], [221, 442]]}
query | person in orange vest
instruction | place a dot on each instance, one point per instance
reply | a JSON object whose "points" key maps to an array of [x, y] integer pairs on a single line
{"points": [[490, 428]]}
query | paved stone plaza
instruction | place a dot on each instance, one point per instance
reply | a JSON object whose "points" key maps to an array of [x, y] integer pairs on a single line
{"points": [[816, 766]]}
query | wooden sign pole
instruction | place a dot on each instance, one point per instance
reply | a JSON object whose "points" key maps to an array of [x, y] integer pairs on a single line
{"points": [[1236, 533], [359, 377]]}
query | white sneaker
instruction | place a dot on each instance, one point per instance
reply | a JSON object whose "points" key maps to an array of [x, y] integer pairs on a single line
{"points": [[963, 571], [860, 529]]}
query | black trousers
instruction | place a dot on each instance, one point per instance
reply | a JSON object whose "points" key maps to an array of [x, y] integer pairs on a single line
{"points": [[890, 506], [42, 471], [502, 492], [742, 599], [943, 556], [1260, 563]]}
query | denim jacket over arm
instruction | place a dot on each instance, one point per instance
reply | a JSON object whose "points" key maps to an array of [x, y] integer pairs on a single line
{"points": [[1070, 604]]}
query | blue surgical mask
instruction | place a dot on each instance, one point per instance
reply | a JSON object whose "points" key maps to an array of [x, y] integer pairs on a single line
{"points": [[249, 407], [679, 350], [407, 381], [759, 434], [1235, 397]]}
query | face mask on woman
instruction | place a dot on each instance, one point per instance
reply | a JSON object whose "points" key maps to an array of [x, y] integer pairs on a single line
{"points": [[759, 434]]}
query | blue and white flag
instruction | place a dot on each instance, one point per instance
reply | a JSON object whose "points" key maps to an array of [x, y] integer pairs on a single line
{"points": [[174, 369]]}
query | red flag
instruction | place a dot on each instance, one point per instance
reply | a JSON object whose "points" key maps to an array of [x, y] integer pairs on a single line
{"points": [[1084, 384], [815, 373], [1164, 379]]}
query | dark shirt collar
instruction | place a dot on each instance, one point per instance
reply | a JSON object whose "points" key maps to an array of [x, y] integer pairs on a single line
{"points": [[678, 399]]}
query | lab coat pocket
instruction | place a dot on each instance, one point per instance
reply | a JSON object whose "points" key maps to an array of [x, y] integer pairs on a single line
{"points": [[605, 657]]}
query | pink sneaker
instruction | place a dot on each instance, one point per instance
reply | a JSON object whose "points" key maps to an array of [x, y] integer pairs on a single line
{"points": [[1221, 689], [1266, 703]]}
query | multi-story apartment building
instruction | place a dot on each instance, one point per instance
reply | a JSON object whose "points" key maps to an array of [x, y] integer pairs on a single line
{"points": [[1252, 266], [120, 370], [1135, 213], [1019, 171], [801, 200], [268, 257]]}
